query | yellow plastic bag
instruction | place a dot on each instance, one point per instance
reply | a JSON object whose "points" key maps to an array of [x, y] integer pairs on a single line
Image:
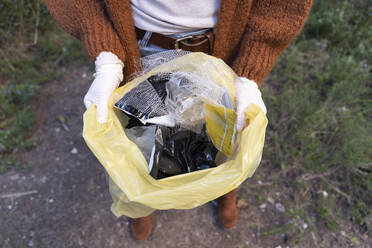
{"points": [[135, 193]]}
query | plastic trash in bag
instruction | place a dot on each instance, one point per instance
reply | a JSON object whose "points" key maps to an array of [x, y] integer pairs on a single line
{"points": [[179, 151], [183, 99], [176, 100], [172, 151], [135, 193]]}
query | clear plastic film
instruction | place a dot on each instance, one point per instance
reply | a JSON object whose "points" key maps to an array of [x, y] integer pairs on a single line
{"points": [[144, 138], [136, 193]]}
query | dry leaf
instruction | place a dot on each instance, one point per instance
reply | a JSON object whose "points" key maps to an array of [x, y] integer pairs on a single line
{"points": [[63, 120]]}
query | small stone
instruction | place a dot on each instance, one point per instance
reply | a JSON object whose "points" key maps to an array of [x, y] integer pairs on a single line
{"points": [[51, 200], [74, 150], [304, 225], [242, 204], [259, 182], [278, 246], [9, 206], [279, 207], [43, 179], [84, 75], [57, 158], [324, 193], [14, 177], [270, 200], [31, 243], [263, 206], [343, 233], [57, 129]]}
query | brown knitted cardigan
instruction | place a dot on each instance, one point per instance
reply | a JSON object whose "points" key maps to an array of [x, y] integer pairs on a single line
{"points": [[249, 35]]}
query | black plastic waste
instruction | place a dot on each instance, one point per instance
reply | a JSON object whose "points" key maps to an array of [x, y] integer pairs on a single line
{"points": [[179, 151], [132, 99]]}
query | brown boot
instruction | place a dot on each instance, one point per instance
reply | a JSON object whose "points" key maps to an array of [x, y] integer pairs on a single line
{"points": [[141, 227], [227, 209]]}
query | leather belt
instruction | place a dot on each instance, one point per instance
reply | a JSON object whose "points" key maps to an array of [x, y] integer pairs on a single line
{"points": [[193, 43]]}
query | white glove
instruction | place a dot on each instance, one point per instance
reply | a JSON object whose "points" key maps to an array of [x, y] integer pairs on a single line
{"points": [[109, 74], [246, 93]]}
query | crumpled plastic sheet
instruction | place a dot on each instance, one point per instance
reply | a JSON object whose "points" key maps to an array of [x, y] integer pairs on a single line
{"points": [[179, 151]]}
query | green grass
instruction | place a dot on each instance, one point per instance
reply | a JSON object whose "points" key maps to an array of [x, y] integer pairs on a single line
{"points": [[319, 100], [32, 49]]}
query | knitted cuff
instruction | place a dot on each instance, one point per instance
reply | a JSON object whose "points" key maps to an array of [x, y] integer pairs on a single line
{"points": [[255, 61]]}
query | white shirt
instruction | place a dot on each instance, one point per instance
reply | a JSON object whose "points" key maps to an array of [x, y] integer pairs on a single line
{"points": [[172, 16]]}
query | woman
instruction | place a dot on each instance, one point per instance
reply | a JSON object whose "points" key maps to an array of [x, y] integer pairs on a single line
{"points": [[248, 35]]}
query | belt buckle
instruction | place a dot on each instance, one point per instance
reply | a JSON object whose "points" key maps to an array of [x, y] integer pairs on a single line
{"points": [[176, 43]]}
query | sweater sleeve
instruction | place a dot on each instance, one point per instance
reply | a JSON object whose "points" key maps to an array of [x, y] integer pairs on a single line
{"points": [[271, 26], [87, 21]]}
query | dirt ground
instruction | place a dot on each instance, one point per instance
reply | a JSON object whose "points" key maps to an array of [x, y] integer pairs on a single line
{"points": [[63, 200]]}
